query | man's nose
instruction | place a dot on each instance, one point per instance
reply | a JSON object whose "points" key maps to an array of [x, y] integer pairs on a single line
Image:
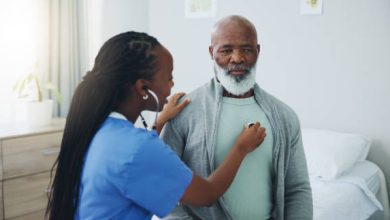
{"points": [[237, 57]]}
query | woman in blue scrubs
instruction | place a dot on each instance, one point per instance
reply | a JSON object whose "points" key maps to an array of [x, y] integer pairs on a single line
{"points": [[109, 169]]}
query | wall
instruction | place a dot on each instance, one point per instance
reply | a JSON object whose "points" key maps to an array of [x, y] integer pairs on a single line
{"points": [[333, 69], [110, 17]]}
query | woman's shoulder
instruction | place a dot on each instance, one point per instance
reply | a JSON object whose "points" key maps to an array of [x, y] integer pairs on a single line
{"points": [[119, 142], [118, 135], [114, 128]]}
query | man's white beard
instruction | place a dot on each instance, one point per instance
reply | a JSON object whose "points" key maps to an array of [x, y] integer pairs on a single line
{"points": [[236, 85]]}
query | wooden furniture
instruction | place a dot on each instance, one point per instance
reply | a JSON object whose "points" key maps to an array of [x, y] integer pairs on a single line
{"points": [[27, 156]]}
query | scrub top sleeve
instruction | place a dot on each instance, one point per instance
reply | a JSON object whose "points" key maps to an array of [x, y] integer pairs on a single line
{"points": [[157, 178]]}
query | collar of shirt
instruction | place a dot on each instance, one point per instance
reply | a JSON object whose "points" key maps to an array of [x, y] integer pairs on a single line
{"points": [[117, 115]]}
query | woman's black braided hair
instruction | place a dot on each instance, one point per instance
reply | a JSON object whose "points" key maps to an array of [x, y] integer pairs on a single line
{"points": [[121, 61]]}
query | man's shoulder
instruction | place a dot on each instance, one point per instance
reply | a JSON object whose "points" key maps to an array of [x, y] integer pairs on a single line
{"points": [[202, 92], [201, 100], [272, 100], [199, 95], [276, 106]]}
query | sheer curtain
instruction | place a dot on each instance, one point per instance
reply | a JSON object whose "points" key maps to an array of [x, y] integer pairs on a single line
{"points": [[68, 48], [47, 37]]}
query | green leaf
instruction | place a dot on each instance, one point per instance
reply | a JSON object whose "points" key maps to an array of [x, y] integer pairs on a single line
{"points": [[21, 88], [50, 86]]}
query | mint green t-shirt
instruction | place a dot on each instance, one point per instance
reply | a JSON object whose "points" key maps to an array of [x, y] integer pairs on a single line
{"points": [[250, 195]]}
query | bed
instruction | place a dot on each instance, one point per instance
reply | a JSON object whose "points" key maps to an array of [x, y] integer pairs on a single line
{"points": [[345, 185], [359, 193]]}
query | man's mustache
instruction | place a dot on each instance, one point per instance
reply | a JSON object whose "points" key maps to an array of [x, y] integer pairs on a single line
{"points": [[237, 68]]}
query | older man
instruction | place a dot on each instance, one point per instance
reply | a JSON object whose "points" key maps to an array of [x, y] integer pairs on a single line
{"points": [[272, 182]]}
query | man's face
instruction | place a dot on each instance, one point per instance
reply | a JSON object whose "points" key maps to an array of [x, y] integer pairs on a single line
{"points": [[234, 50]]}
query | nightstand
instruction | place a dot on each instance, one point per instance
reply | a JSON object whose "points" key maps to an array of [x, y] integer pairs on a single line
{"points": [[27, 156]]}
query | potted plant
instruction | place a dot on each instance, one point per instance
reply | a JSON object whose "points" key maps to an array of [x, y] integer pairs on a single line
{"points": [[39, 110]]}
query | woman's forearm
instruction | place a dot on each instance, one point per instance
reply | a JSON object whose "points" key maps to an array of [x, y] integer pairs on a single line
{"points": [[204, 192]]}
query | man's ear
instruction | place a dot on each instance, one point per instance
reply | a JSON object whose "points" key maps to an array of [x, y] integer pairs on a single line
{"points": [[258, 49], [211, 52]]}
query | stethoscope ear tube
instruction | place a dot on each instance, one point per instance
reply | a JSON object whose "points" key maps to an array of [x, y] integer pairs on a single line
{"points": [[157, 108], [153, 127]]}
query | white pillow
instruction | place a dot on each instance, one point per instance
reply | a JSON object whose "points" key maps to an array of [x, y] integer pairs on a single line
{"points": [[330, 153]]}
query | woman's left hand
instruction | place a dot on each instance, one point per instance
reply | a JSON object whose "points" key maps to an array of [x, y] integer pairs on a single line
{"points": [[171, 109]]}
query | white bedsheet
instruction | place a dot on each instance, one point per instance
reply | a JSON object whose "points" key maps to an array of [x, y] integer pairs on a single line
{"points": [[369, 172], [350, 196]]}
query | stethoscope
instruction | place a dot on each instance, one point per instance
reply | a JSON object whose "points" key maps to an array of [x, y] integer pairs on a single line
{"points": [[153, 127]]}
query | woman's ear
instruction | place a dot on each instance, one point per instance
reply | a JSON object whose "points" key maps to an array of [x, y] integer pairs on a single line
{"points": [[141, 87]]}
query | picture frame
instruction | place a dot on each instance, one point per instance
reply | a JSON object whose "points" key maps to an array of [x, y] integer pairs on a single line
{"points": [[200, 8]]}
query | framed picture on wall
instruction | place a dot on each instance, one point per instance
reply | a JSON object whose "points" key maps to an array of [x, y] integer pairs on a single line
{"points": [[200, 8], [311, 7]]}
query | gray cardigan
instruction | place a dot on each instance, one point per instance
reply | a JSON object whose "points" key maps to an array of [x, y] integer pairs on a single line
{"points": [[192, 134]]}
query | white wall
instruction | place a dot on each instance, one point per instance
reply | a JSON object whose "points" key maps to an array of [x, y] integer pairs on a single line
{"points": [[110, 17], [333, 69]]}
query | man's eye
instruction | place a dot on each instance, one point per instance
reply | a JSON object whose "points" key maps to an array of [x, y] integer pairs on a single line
{"points": [[225, 51]]}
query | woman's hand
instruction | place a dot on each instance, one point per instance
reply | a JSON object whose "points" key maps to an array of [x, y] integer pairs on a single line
{"points": [[171, 109], [250, 138]]}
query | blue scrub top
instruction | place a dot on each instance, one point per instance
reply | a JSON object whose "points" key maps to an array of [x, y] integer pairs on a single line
{"points": [[129, 173]]}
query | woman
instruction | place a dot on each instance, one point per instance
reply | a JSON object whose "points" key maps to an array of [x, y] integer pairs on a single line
{"points": [[107, 168]]}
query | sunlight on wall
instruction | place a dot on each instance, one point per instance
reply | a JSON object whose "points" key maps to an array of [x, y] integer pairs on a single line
{"points": [[23, 34]]}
